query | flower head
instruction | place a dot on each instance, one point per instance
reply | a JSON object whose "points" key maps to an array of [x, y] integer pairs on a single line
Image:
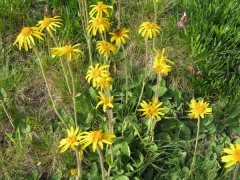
{"points": [[105, 48], [50, 24], [67, 50], [25, 38], [96, 72], [73, 172], [98, 24], [103, 82], [107, 102], [199, 108], [119, 36], [71, 140], [160, 63], [99, 9], [233, 156], [152, 109], [97, 138], [149, 30]]}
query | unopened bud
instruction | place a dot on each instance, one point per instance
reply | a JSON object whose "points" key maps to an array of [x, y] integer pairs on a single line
{"points": [[55, 12], [183, 21], [46, 11]]}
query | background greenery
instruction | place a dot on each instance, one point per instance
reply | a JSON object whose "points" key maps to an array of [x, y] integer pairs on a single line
{"points": [[209, 45]]}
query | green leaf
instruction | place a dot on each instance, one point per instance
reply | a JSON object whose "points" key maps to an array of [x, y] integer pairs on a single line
{"points": [[121, 177], [93, 94], [3, 95], [164, 137], [223, 102], [94, 169], [211, 128], [237, 140], [57, 175], [138, 160], [169, 124], [237, 129], [149, 174], [125, 149], [230, 121], [235, 111], [208, 120], [148, 90], [185, 129], [220, 127]]}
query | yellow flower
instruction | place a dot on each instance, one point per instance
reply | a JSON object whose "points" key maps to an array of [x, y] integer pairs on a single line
{"points": [[97, 138], [160, 63], [233, 156], [156, 0], [50, 24], [73, 172], [119, 36], [99, 9], [67, 50], [105, 48], [71, 140], [199, 108], [25, 38], [94, 73], [98, 24], [107, 102], [149, 30], [104, 82], [152, 109]]}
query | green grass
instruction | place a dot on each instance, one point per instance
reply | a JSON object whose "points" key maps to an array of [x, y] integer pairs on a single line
{"points": [[210, 44]]}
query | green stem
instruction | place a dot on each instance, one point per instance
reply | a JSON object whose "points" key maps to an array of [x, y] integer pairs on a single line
{"points": [[119, 13], [110, 119], [146, 56], [146, 143], [89, 49], [236, 171], [195, 149], [73, 93], [159, 79], [65, 75], [48, 89], [83, 12], [155, 19], [126, 72], [140, 97], [101, 162], [79, 165], [63, 67]]}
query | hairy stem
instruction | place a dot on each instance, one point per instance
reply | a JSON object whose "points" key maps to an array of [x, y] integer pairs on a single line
{"points": [[48, 89], [236, 172], [195, 149], [101, 162], [159, 79], [126, 72], [79, 165], [73, 94]]}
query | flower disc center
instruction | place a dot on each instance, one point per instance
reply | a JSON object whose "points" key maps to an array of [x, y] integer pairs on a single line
{"points": [[97, 136], [46, 22], [72, 139], [199, 109], [96, 73], [236, 155], [26, 31]]}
